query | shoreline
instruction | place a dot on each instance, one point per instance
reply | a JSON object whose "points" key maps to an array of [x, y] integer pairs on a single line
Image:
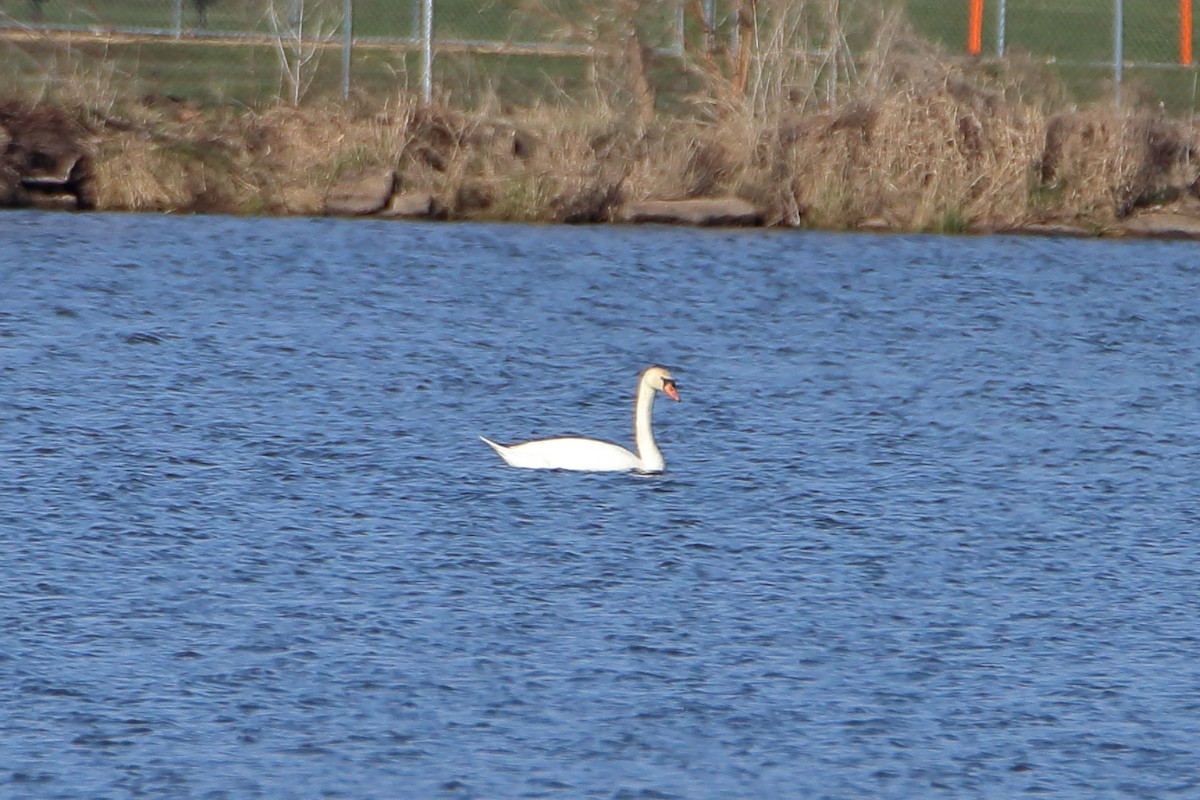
{"points": [[1149, 226], [931, 157]]}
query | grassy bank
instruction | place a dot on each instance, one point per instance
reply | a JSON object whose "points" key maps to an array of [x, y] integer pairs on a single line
{"points": [[903, 140]]}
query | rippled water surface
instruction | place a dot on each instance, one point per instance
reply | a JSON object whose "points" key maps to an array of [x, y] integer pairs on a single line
{"points": [[928, 526]]}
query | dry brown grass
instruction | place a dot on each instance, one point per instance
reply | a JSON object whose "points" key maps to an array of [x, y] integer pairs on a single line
{"points": [[1105, 165], [162, 155], [935, 155], [919, 155]]}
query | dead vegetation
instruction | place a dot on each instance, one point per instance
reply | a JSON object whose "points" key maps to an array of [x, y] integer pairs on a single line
{"points": [[1107, 165]]}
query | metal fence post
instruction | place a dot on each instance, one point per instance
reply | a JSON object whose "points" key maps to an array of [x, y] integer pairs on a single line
{"points": [[735, 38], [347, 43], [679, 43], [427, 51], [1118, 45], [178, 18], [1001, 26]]}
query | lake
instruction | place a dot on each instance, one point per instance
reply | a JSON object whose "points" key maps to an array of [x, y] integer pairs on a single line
{"points": [[928, 525]]}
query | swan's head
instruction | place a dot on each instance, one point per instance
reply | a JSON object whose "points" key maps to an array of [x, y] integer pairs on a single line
{"points": [[660, 380]]}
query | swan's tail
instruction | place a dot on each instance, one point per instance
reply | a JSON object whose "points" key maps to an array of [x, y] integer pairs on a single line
{"points": [[500, 449]]}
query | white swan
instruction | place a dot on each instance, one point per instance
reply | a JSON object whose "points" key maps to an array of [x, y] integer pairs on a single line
{"points": [[592, 455]]}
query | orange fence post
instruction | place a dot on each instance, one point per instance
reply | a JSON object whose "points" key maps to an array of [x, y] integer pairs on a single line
{"points": [[1185, 32], [975, 28]]}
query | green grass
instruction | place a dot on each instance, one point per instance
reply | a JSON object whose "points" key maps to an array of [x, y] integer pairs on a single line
{"points": [[1067, 30], [455, 19], [246, 74], [1077, 34]]}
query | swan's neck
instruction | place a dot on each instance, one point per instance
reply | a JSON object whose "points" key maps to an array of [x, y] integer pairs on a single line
{"points": [[643, 432]]}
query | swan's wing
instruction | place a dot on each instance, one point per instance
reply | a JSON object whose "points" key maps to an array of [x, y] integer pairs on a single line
{"points": [[585, 455]]}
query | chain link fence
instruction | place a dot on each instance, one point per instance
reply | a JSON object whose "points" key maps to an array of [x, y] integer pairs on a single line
{"points": [[1120, 48], [257, 51], [525, 50]]}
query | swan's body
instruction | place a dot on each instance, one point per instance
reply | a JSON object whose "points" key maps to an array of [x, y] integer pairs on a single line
{"points": [[593, 455]]}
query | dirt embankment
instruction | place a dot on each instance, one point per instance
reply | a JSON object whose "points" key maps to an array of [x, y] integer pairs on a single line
{"points": [[936, 155]]}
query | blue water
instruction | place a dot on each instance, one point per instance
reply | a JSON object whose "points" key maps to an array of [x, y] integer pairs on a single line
{"points": [[928, 526]]}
